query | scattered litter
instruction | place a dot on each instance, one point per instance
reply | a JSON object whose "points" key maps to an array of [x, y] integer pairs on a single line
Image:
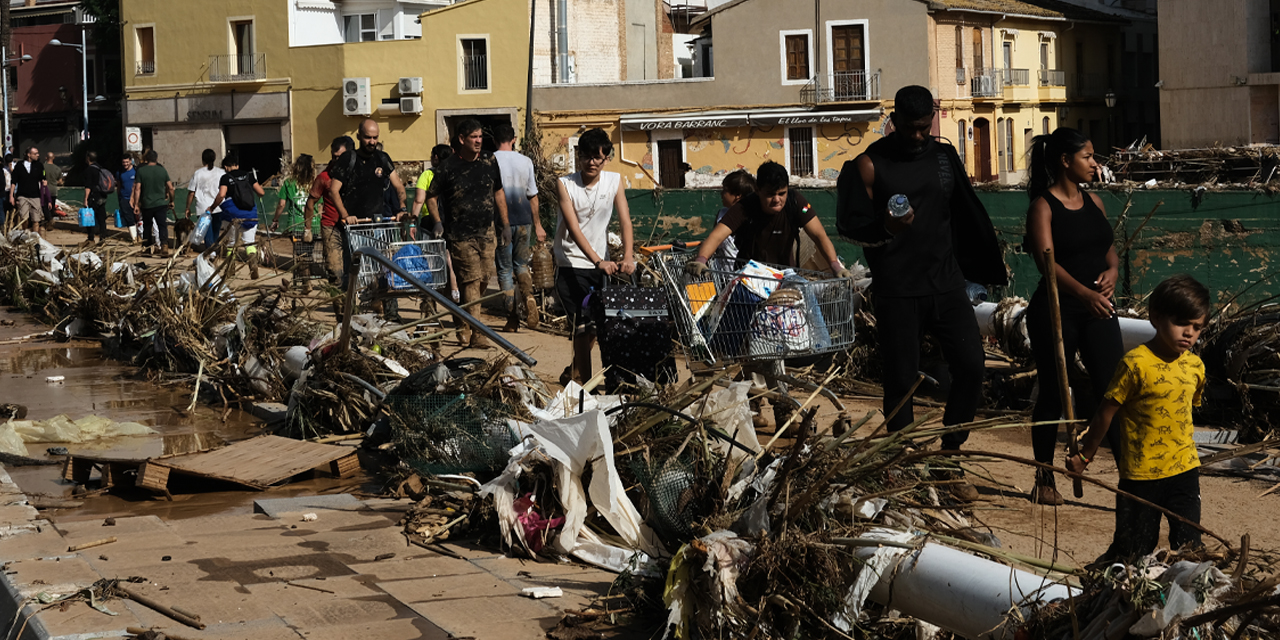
{"points": [[538, 593]]}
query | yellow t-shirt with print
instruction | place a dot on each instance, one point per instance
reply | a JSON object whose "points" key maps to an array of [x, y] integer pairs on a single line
{"points": [[1155, 413]]}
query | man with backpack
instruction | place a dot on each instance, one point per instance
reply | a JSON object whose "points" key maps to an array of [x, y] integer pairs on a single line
{"points": [[358, 184], [152, 199], [99, 183], [238, 193]]}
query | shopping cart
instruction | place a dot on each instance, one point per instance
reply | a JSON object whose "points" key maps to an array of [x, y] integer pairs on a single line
{"points": [[761, 316], [757, 313], [308, 260], [424, 259]]}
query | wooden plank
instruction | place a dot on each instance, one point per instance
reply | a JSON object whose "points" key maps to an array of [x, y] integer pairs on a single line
{"points": [[263, 461], [153, 475]]}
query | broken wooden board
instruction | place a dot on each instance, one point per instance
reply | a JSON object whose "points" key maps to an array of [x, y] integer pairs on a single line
{"points": [[257, 463]]}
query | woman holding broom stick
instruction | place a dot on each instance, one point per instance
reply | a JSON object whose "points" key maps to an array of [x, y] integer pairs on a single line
{"points": [[1073, 223]]}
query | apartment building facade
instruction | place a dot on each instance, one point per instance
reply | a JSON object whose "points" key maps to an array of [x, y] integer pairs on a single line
{"points": [[1002, 71], [279, 78]]}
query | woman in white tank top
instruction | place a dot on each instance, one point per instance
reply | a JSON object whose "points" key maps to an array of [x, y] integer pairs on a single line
{"points": [[588, 200]]}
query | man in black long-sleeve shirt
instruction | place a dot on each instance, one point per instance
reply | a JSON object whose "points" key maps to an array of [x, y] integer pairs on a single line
{"points": [[24, 192], [919, 262]]}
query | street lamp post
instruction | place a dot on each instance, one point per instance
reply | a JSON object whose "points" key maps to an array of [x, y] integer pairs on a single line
{"points": [[1110, 100], [84, 75], [4, 90]]}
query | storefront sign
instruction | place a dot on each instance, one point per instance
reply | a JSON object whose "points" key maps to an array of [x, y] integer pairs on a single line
{"points": [[816, 118], [689, 123], [204, 115]]}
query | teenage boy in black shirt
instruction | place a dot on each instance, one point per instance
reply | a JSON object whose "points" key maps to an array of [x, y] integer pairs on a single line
{"points": [[920, 261]]}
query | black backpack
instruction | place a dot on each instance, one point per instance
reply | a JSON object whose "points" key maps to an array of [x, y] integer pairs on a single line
{"points": [[102, 184], [241, 190]]}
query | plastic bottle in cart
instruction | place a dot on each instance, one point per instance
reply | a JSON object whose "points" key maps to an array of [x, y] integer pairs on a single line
{"points": [[544, 266], [899, 206]]}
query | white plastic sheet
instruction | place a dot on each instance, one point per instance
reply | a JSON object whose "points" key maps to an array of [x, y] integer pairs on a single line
{"points": [[61, 428], [575, 442], [10, 441]]}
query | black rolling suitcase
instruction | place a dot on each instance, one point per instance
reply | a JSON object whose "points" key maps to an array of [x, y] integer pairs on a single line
{"points": [[635, 333]]}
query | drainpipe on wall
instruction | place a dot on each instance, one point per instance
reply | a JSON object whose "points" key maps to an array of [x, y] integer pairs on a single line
{"points": [[562, 39]]}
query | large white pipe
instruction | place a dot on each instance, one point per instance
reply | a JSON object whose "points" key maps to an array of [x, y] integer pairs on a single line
{"points": [[1133, 331], [962, 593]]}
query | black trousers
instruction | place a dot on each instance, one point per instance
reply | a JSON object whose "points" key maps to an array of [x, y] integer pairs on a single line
{"points": [[1138, 526], [1100, 347], [948, 317], [100, 220], [158, 216]]}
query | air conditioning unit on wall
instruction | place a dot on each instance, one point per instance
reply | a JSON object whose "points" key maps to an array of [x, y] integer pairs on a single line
{"points": [[355, 97], [411, 104], [411, 86]]}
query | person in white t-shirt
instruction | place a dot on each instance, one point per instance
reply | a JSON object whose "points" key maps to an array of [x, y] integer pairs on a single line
{"points": [[203, 189], [588, 200]]}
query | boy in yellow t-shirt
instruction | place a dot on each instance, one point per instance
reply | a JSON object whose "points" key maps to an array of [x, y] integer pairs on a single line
{"points": [[1153, 390]]}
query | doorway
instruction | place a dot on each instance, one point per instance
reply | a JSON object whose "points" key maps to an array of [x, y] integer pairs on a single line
{"points": [[982, 149], [670, 164]]}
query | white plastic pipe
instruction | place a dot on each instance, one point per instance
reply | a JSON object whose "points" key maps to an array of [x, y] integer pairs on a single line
{"points": [[962, 593], [1133, 331]]}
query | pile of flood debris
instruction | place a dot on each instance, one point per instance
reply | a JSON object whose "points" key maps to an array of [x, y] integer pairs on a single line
{"points": [[185, 323], [835, 529], [832, 536], [1252, 167]]}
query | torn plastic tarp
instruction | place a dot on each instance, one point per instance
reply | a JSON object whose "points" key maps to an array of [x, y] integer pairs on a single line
{"points": [[571, 443], [873, 566], [727, 555]]}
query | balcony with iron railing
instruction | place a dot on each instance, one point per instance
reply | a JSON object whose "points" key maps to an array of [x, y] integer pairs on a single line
{"points": [[146, 68], [1016, 77], [960, 75], [846, 86], [238, 67], [986, 83], [1053, 85], [1087, 85]]}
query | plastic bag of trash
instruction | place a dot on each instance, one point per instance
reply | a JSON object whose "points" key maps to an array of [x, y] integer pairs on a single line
{"points": [[205, 273], [10, 441]]}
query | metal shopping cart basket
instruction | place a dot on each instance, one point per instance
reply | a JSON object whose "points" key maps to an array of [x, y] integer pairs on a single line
{"points": [[758, 312], [424, 259]]}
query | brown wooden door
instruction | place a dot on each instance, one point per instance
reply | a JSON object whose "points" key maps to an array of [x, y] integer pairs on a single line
{"points": [[982, 149], [848, 62], [979, 67], [670, 163]]}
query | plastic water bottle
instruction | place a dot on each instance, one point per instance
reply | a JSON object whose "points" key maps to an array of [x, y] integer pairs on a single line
{"points": [[899, 205], [976, 292]]}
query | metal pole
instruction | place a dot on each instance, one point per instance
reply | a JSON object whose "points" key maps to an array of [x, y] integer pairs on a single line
{"points": [[528, 95], [344, 340], [84, 81], [4, 92]]}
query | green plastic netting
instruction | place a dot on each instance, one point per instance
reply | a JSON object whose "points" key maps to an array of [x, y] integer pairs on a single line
{"points": [[451, 433], [677, 490]]}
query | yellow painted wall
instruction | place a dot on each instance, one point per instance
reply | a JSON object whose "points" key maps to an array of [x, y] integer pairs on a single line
{"points": [[185, 40], [712, 152]]}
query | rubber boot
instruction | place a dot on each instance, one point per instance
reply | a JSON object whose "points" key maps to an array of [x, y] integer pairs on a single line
{"points": [[252, 254], [524, 282], [513, 314]]}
